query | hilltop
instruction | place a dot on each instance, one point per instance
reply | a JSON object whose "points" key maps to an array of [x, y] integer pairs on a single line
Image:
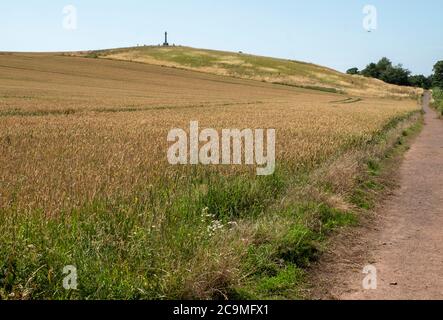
{"points": [[247, 66]]}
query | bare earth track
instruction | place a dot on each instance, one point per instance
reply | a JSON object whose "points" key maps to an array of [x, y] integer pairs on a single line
{"points": [[405, 241]]}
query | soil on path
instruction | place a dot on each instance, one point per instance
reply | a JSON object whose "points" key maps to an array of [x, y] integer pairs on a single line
{"points": [[404, 241]]}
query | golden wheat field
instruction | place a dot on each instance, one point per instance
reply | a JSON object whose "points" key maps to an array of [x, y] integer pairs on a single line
{"points": [[84, 179], [73, 128]]}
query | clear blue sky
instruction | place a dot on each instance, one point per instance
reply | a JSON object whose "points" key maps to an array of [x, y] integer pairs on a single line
{"points": [[325, 32]]}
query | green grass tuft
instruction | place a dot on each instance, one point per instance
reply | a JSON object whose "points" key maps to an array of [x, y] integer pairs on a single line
{"points": [[437, 94]]}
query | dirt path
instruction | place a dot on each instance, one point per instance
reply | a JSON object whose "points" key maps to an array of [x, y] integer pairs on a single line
{"points": [[405, 241]]}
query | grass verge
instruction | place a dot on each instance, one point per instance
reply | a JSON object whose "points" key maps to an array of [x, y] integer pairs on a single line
{"points": [[333, 197], [437, 94]]}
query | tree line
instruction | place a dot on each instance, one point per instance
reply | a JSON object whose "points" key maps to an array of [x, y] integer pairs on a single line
{"points": [[386, 71]]}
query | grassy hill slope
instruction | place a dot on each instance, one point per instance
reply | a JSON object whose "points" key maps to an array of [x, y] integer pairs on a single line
{"points": [[288, 72]]}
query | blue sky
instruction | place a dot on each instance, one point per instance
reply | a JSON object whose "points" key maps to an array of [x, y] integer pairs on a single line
{"points": [[325, 32]]}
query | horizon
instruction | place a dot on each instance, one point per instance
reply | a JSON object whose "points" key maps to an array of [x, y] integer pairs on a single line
{"points": [[319, 32]]}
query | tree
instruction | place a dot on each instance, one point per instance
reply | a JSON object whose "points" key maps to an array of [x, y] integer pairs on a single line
{"points": [[371, 71], [387, 72], [431, 80], [383, 65], [438, 74], [420, 81], [396, 75], [353, 71]]}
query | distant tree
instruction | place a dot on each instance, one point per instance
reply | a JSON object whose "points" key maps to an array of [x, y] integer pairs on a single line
{"points": [[383, 65], [353, 71], [420, 81], [431, 80], [371, 70], [396, 75], [438, 75]]}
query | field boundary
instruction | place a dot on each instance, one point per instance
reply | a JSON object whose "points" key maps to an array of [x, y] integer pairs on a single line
{"points": [[374, 186], [326, 212]]}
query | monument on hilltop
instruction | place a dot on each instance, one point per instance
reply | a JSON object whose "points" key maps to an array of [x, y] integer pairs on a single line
{"points": [[166, 44]]}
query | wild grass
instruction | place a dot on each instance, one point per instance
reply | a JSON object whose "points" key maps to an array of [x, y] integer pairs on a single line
{"points": [[437, 95]]}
